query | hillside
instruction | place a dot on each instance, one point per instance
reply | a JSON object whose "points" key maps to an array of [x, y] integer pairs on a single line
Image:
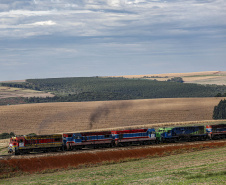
{"points": [[80, 89], [192, 163], [131, 87], [65, 117]]}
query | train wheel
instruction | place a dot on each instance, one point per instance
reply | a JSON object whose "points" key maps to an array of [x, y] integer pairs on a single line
{"points": [[16, 153]]}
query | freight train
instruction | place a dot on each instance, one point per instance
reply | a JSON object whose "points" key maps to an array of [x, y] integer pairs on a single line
{"points": [[115, 138]]}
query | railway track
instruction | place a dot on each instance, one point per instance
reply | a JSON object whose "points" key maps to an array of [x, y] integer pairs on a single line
{"points": [[38, 162], [90, 150]]}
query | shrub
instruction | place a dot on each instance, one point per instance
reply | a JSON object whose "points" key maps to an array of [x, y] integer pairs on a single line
{"points": [[6, 135], [220, 110]]}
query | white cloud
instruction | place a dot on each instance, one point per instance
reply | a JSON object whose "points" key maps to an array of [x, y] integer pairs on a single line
{"points": [[44, 23]]}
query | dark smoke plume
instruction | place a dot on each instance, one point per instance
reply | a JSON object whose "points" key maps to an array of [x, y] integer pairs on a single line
{"points": [[104, 111]]}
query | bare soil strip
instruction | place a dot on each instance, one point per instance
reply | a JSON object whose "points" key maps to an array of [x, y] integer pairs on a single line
{"points": [[38, 164]]}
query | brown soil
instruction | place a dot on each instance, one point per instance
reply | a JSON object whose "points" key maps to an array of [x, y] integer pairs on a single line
{"points": [[47, 118], [37, 164]]}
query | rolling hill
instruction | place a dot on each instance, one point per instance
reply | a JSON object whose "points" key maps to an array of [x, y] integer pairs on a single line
{"points": [[45, 118]]}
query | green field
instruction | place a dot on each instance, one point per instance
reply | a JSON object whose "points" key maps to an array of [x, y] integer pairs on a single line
{"points": [[201, 167]]}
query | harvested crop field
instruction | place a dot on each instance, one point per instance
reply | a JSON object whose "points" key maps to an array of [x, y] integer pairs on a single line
{"points": [[38, 164], [49, 118], [9, 92], [206, 77]]}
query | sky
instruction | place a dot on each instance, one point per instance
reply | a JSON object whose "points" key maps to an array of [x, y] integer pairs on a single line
{"points": [[83, 38]]}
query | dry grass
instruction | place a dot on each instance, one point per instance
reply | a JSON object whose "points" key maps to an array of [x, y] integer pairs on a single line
{"points": [[206, 77], [7, 92], [174, 74], [67, 117], [4, 142]]}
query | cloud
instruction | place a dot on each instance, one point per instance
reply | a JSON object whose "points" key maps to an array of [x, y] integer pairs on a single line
{"points": [[44, 23], [92, 31], [114, 17]]}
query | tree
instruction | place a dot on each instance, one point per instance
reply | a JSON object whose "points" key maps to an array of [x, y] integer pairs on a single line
{"points": [[220, 110], [218, 95], [11, 134], [176, 79]]}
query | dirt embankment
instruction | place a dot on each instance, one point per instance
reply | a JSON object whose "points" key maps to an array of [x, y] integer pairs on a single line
{"points": [[38, 164]]}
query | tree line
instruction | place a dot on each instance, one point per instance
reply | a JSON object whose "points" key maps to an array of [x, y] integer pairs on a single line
{"points": [[101, 89]]}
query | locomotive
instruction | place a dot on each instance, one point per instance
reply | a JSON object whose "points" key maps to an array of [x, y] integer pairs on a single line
{"points": [[108, 138], [115, 138], [27, 144]]}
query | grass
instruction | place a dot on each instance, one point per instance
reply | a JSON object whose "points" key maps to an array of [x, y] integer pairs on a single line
{"points": [[13, 89], [3, 150], [4, 146], [10, 92], [201, 167]]}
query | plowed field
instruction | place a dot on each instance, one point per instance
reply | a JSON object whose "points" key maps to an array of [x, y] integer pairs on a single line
{"points": [[37, 164], [47, 118]]}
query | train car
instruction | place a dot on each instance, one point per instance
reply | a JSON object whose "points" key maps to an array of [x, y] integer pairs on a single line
{"points": [[216, 131], [27, 144], [190, 133], [165, 134], [87, 140], [135, 136]]}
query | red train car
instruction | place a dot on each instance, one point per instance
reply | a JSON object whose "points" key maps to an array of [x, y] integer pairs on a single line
{"points": [[26, 144], [216, 131]]}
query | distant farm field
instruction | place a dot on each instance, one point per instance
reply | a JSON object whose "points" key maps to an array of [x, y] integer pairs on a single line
{"points": [[9, 92], [206, 77], [48, 118]]}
